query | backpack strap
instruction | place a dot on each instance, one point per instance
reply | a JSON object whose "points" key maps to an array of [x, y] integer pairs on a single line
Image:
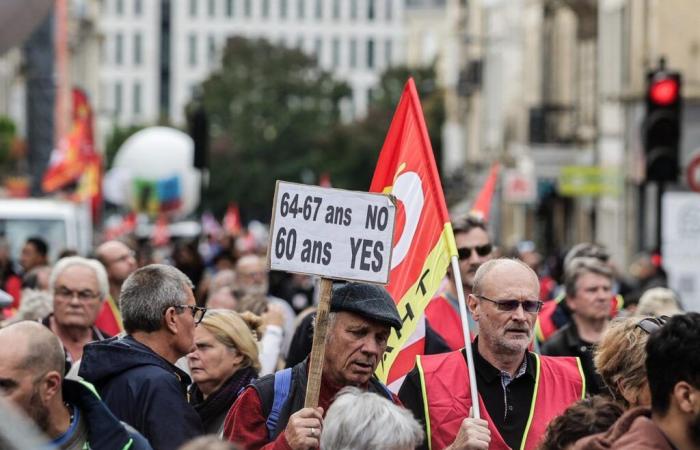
{"points": [[283, 384]]}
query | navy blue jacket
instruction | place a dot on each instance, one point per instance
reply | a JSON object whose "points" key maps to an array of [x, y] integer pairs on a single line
{"points": [[142, 389], [104, 430]]}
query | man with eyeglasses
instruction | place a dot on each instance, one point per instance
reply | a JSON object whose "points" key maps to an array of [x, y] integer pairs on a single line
{"points": [[78, 286], [519, 391], [443, 324], [588, 285], [136, 374]]}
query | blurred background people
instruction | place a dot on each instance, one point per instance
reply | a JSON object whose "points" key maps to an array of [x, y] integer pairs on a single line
{"points": [[658, 301], [35, 252], [120, 261]]}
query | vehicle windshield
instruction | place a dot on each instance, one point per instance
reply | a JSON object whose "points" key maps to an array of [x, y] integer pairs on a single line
{"points": [[16, 231]]}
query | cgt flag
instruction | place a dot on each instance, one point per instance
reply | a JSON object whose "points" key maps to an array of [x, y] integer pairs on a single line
{"points": [[423, 239]]}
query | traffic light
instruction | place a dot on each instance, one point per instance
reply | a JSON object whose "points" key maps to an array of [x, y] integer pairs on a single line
{"points": [[198, 127], [662, 124]]}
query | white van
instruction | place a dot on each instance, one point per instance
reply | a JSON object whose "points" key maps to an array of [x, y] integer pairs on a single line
{"points": [[61, 223]]}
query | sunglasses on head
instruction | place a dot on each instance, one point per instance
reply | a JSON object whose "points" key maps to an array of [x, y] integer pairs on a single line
{"points": [[529, 306], [651, 324], [481, 250]]}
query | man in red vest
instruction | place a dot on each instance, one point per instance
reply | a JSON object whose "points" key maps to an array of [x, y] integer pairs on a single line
{"points": [[442, 314], [519, 391]]}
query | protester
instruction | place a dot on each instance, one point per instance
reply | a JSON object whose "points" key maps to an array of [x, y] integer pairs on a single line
{"points": [[619, 359], [10, 282], [224, 362], [35, 305], [442, 314], [658, 301], [35, 252], [673, 371], [120, 262], [509, 378], [78, 286], [588, 284], [362, 420], [67, 411], [136, 374], [37, 278], [359, 325], [584, 418]]}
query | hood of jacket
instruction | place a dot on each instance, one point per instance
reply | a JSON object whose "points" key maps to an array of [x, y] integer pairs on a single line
{"points": [[106, 359]]}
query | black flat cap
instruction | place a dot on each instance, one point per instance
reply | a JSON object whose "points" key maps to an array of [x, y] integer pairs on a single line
{"points": [[367, 300]]}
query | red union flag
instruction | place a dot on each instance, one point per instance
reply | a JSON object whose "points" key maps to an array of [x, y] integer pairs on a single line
{"points": [[423, 239]]}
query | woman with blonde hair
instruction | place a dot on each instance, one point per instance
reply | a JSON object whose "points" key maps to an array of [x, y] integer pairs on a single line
{"points": [[224, 362], [619, 359]]}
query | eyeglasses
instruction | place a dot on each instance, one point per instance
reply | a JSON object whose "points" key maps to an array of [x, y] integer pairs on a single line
{"points": [[651, 324], [197, 311], [85, 295], [481, 250], [529, 306]]}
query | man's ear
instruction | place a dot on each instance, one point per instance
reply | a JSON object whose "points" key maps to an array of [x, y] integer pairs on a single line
{"points": [[686, 396], [473, 306], [51, 385], [170, 321]]}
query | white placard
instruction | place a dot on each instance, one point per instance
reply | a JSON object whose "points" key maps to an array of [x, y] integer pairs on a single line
{"points": [[333, 233]]}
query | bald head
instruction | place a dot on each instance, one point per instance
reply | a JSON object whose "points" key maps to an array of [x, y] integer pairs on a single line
{"points": [[32, 347], [499, 271], [118, 259]]}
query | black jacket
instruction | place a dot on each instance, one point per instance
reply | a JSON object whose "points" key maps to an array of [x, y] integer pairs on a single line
{"points": [[142, 389]]}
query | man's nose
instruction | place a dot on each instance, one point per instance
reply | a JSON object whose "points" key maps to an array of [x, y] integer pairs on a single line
{"points": [[371, 346], [519, 313]]}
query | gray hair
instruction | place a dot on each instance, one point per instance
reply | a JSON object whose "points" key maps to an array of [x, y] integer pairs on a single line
{"points": [[148, 292], [581, 266], [97, 268], [44, 352], [488, 266], [658, 301], [359, 419]]}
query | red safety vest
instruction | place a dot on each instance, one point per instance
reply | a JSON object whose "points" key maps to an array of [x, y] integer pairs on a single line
{"points": [[445, 321], [559, 382]]}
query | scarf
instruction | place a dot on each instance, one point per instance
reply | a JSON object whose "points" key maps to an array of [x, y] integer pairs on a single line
{"points": [[220, 401]]}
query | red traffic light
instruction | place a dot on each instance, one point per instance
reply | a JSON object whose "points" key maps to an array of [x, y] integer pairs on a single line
{"points": [[664, 92]]}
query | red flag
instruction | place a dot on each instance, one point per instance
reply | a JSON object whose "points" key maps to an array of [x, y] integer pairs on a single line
{"points": [[423, 240], [482, 204], [74, 150], [232, 220], [325, 180], [161, 234], [109, 319]]}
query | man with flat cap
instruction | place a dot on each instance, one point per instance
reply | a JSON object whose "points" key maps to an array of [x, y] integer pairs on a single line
{"points": [[270, 413]]}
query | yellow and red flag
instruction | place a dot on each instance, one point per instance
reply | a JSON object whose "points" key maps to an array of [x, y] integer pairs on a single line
{"points": [[423, 238], [482, 204], [232, 220]]}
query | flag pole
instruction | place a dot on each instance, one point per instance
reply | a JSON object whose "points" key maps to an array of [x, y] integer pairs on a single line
{"points": [[467, 336]]}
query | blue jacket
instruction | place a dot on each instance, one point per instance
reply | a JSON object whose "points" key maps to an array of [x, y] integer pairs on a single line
{"points": [[104, 430], [142, 389]]}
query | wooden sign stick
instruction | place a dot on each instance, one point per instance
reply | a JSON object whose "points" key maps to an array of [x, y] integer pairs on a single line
{"points": [[318, 349]]}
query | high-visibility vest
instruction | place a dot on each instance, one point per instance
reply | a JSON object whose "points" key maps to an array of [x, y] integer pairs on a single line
{"points": [[559, 382]]}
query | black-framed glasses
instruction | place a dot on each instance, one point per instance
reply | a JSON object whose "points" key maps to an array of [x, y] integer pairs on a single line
{"points": [[84, 295], [481, 250], [651, 324], [529, 306], [198, 312]]}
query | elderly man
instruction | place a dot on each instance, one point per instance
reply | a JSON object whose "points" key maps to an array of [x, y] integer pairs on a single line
{"points": [[68, 412], [78, 286], [588, 283], [519, 392], [136, 374], [673, 372], [443, 324], [270, 413], [120, 262]]}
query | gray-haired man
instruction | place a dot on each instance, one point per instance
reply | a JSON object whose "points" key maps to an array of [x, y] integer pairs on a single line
{"points": [[135, 374]]}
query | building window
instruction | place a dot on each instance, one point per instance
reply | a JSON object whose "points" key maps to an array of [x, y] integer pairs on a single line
{"points": [[352, 53], [192, 49], [230, 9], [211, 50], [388, 52], [193, 8], [370, 53], [283, 9], [301, 8], [335, 52], [136, 100], [117, 98], [119, 49], [336, 9], [265, 8], [318, 49], [212, 8], [119, 7], [370, 9], [247, 8], [353, 9], [138, 50], [138, 7], [388, 11], [319, 9]]}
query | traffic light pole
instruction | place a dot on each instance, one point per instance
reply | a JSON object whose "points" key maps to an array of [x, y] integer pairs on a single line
{"points": [[660, 189]]}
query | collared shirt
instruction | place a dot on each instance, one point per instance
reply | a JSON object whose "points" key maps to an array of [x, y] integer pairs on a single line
{"points": [[507, 399]]}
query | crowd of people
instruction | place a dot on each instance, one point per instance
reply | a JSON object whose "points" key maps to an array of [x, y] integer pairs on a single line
{"points": [[204, 348]]}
